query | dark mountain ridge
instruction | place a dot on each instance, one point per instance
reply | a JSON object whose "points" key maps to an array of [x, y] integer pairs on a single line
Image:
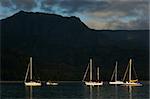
{"points": [[61, 47]]}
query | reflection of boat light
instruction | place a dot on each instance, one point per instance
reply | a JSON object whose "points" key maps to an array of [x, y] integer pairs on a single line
{"points": [[92, 83], [116, 92], [91, 92], [130, 92], [116, 82], [131, 82], [30, 96], [31, 82]]}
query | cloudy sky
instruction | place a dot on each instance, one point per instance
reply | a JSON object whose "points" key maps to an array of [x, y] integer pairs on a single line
{"points": [[96, 14]]}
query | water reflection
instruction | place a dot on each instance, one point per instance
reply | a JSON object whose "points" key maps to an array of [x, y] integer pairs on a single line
{"points": [[116, 92], [93, 92], [98, 90], [29, 93], [130, 92]]}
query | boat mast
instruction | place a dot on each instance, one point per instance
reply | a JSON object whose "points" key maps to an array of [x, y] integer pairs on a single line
{"points": [[125, 74], [130, 62], [98, 73], [116, 71], [85, 72], [90, 69], [27, 73], [113, 74], [30, 68]]}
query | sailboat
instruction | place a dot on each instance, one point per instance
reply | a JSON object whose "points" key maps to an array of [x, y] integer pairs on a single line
{"points": [[130, 81], [30, 82], [116, 82], [92, 83], [51, 83]]}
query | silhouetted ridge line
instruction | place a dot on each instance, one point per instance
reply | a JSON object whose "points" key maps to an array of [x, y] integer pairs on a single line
{"points": [[61, 47]]}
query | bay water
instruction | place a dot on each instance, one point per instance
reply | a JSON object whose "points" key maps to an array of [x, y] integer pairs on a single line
{"points": [[73, 90]]}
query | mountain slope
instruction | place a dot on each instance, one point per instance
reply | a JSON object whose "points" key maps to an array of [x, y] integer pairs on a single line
{"points": [[61, 47]]}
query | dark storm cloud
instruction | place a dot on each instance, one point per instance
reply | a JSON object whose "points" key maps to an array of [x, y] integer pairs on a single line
{"points": [[24, 4], [100, 14], [72, 6], [121, 13], [139, 24], [131, 25], [6, 3], [47, 5], [19, 4]]}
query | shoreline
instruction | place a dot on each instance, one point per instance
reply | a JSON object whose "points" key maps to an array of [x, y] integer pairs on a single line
{"points": [[56, 81]]}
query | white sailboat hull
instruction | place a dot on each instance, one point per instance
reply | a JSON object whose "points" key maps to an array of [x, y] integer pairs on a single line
{"points": [[116, 83], [33, 83], [51, 83], [93, 83], [132, 84], [30, 82]]}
